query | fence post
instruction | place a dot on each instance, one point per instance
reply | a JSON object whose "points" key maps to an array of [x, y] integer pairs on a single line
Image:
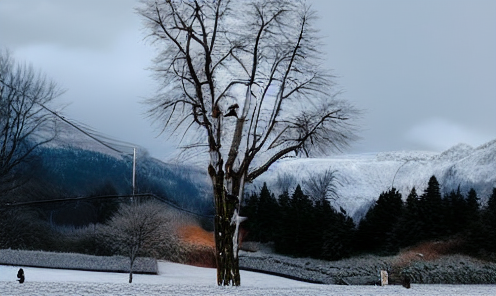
{"points": [[384, 278]]}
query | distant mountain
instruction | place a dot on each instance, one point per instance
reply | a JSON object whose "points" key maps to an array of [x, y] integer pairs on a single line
{"points": [[363, 177], [75, 172], [81, 166]]}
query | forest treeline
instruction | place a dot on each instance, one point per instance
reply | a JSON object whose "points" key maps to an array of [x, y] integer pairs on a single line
{"points": [[70, 192], [302, 226]]}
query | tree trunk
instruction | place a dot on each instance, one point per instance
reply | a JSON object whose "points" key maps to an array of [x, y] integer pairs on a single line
{"points": [[226, 236], [131, 263]]}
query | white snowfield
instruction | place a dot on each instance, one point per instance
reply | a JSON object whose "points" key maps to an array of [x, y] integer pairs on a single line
{"points": [[363, 177], [178, 279]]}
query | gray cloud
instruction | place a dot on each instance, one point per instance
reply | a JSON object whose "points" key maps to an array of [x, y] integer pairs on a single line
{"points": [[407, 61], [439, 134], [423, 71], [88, 24]]}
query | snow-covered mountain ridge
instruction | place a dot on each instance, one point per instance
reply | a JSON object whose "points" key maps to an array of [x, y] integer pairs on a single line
{"points": [[363, 177]]}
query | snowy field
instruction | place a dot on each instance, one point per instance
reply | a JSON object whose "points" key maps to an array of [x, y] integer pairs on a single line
{"points": [[177, 279]]}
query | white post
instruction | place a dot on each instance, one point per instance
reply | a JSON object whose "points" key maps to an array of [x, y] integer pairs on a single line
{"points": [[384, 278]]}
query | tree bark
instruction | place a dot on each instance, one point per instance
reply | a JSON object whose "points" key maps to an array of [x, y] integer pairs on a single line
{"points": [[226, 237], [131, 270]]}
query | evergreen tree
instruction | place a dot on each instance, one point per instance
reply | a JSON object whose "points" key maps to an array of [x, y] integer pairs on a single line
{"points": [[322, 221], [301, 212], [380, 221], [251, 225], [105, 208], [409, 228], [266, 215], [491, 203], [490, 223], [432, 211], [339, 236], [283, 226], [482, 236], [455, 213], [472, 213], [261, 211]]}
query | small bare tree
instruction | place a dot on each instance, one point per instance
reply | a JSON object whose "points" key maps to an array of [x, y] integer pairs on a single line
{"points": [[24, 122], [242, 82], [322, 186], [285, 181], [137, 230]]}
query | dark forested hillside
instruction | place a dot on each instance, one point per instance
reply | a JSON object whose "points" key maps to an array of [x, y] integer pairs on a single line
{"points": [[72, 172], [301, 225]]}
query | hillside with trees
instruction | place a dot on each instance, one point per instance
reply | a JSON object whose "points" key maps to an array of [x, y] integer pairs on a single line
{"points": [[301, 226], [76, 188]]}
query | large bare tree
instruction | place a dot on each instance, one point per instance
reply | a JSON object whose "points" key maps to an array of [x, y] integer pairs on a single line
{"points": [[24, 122], [242, 81]]}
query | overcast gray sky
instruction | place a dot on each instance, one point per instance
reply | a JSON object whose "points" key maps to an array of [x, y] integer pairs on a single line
{"points": [[424, 72]]}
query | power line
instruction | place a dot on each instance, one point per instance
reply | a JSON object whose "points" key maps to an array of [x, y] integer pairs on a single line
{"points": [[84, 129], [81, 127], [90, 132], [69, 199], [96, 136]]}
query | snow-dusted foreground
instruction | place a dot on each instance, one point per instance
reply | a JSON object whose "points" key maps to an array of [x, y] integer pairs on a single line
{"points": [[177, 279]]}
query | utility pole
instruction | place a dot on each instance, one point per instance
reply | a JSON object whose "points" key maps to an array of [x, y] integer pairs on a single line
{"points": [[134, 171]]}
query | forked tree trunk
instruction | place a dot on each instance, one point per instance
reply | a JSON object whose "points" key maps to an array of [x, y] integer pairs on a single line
{"points": [[226, 236]]}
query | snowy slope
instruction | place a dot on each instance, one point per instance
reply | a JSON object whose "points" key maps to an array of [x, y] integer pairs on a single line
{"points": [[177, 279], [363, 177]]}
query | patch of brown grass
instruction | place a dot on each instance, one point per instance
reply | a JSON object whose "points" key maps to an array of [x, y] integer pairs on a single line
{"points": [[199, 245], [201, 257], [195, 235], [426, 251]]}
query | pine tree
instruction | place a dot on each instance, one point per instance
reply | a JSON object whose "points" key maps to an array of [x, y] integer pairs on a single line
{"points": [[323, 227], [380, 221], [490, 223], [432, 211], [301, 212], [482, 237], [283, 226], [339, 236], [409, 228], [317, 226], [491, 203], [472, 213], [251, 225], [455, 214], [266, 216]]}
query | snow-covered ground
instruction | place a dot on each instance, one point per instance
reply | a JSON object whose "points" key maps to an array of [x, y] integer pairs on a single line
{"points": [[177, 279]]}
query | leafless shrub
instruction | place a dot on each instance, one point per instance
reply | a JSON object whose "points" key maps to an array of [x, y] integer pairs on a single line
{"points": [[285, 182], [83, 240], [139, 230], [22, 228], [320, 186]]}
